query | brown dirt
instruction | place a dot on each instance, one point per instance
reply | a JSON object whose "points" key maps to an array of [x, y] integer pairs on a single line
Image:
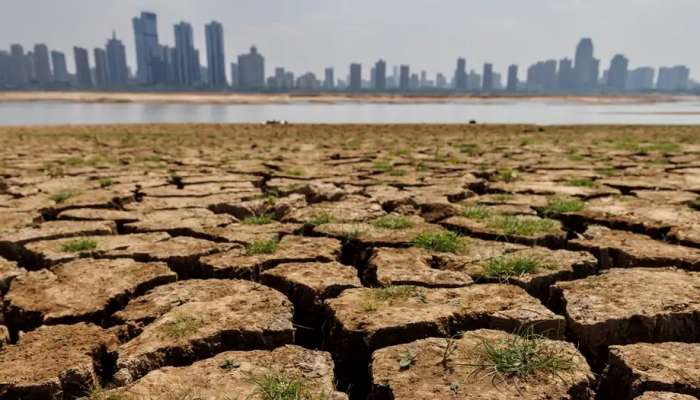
{"points": [[193, 199], [437, 373]]}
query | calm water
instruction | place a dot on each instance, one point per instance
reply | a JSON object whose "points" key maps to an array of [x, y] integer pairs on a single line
{"points": [[515, 111]]}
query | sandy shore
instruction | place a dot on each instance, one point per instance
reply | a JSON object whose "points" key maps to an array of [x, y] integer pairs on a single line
{"points": [[238, 98]]}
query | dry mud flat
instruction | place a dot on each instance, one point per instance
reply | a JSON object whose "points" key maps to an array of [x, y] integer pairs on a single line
{"points": [[349, 262]]}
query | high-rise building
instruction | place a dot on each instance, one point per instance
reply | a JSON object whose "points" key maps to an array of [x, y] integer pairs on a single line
{"points": [[19, 74], [586, 67], [380, 75], [82, 67], [673, 78], [424, 79], [512, 84], [640, 79], [617, 74], [187, 57], [473, 79], [441, 81], [405, 78], [101, 69], [355, 77], [251, 70], [147, 48], [329, 79], [234, 76], [116, 62], [566, 79], [460, 78], [216, 61], [488, 78], [42, 65], [60, 69]]}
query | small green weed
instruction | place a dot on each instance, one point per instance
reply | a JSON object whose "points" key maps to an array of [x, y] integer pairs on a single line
{"points": [[522, 225], [262, 247], [444, 242], [394, 222], [181, 327], [257, 220], [556, 206], [78, 245], [476, 212], [505, 267]]}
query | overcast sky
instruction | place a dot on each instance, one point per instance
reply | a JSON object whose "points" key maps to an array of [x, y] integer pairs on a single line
{"points": [[308, 35]]}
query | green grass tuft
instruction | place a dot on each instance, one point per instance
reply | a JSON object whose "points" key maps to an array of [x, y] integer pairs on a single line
{"points": [[395, 222], [257, 220], [63, 195], [522, 225], [557, 206], [476, 212], [522, 357], [261, 247], [581, 182], [78, 245], [507, 175], [506, 267], [444, 242], [279, 386], [105, 182], [321, 219]]}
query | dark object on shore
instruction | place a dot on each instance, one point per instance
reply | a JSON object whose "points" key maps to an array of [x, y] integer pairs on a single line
{"points": [[472, 122], [276, 122]]}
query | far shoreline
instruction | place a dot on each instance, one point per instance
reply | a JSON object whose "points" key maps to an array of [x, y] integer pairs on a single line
{"points": [[319, 98]]}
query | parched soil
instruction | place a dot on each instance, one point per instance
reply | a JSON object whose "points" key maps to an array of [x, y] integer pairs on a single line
{"points": [[458, 368], [349, 262]]}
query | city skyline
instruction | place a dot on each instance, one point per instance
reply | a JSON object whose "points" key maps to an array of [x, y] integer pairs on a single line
{"points": [[161, 65], [397, 31]]}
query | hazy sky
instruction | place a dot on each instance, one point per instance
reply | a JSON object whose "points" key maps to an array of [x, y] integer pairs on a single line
{"points": [[308, 35]]}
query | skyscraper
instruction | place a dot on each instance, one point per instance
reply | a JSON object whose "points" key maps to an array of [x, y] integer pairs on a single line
{"points": [[216, 61], [586, 67], [234, 76], [42, 64], [19, 74], [101, 69], [488, 77], [82, 67], [147, 47], [116, 62], [329, 79], [355, 77], [673, 78], [380, 75], [512, 85], [187, 61], [641, 79], [460, 78], [405, 78], [60, 70], [617, 74], [566, 79], [251, 70]]}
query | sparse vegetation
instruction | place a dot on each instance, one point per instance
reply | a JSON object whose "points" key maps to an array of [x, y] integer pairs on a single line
{"points": [[78, 245], [261, 247], [581, 182], [444, 242], [394, 222], [390, 294], [280, 386], [521, 357], [104, 183], [521, 225], [506, 175], [557, 205], [258, 220], [63, 195], [476, 212], [180, 327], [321, 219], [505, 267]]}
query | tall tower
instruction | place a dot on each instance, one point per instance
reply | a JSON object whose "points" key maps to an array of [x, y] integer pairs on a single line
{"points": [[617, 74], [488, 78], [512, 85], [585, 68], [216, 60], [187, 61], [355, 77], [380, 75], [116, 62], [82, 67], [460, 79], [42, 64], [147, 47]]}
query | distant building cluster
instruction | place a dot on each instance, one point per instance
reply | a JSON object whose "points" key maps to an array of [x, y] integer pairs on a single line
{"points": [[163, 67]]}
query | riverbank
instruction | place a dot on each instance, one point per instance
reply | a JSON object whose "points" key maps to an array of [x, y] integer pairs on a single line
{"points": [[322, 98]]}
